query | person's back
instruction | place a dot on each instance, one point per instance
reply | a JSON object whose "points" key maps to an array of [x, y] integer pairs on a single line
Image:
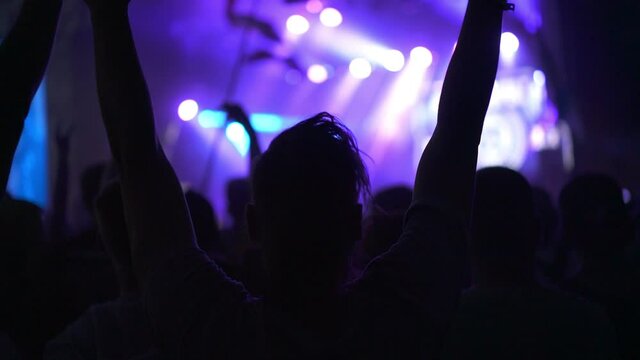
{"points": [[507, 315], [596, 223]]}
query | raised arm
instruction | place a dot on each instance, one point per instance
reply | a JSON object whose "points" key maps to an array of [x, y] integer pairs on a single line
{"points": [[155, 209], [445, 177], [24, 55]]}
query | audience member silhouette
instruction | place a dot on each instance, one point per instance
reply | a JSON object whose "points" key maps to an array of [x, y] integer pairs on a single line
{"points": [[116, 329], [306, 213], [507, 315], [551, 256], [24, 54], [383, 225], [596, 223]]}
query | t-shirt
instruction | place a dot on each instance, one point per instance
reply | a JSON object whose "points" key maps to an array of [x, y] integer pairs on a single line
{"points": [[528, 323], [396, 310]]}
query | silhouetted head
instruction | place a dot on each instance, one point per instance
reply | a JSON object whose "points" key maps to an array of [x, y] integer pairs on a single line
{"points": [[204, 221], [594, 217], [238, 197], [504, 228], [306, 210], [383, 226]]}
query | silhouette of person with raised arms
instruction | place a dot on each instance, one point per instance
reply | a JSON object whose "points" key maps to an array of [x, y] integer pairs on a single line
{"points": [[306, 213]]}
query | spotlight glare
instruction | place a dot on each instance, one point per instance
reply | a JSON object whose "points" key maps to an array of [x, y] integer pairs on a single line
{"points": [[317, 74], [314, 6], [539, 78], [212, 119], [238, 136], [297, 24], [331, 17], [509, 45], [421, 56], [188, 110], [393, 60], [360, 68]]}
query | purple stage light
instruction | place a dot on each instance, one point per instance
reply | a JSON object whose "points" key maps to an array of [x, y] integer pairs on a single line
{"points": [[188, 110], [297, 24], [317, 74], [314, 6], [360, 68], [421, 56], [331, 17], [393, 60], [509, 46]]}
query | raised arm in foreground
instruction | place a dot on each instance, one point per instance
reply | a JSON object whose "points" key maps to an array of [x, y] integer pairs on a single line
{"points": [[155, 209], [24, 55], [446, 172]]}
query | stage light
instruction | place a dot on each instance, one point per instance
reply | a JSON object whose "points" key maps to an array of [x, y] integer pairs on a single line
{"points": [[297, 24], [393, 60], [539, 78], [212, 119], [188, 110], [627, 196], [360, 68], [267, 123], [537, 137], [331, 17], [317, 74], [421, 56], [314, 6], [238, 136], [509, 45]]}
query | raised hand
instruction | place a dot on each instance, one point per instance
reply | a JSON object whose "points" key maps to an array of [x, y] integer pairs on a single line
{"points": [[235, 112]]}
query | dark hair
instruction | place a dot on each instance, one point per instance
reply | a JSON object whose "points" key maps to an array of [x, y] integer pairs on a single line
{"points": [[504, 222], [594, 215], [316, 160]]}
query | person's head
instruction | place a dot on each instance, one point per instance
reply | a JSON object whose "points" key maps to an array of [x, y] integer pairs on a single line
{"points": [[504, 227], [204, 221], [383, 225], [238, 196], [594, 218], [306, 210]]}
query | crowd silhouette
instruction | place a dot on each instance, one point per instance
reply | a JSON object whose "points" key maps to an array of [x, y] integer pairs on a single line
{"points": [[465, 265]]}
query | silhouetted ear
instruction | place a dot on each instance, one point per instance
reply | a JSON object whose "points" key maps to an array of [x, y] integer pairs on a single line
{"points": [[251, 214]]}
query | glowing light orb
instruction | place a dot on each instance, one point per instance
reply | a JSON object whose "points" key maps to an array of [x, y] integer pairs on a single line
{"points": [[317, 74], [393, 60], [539, 78], [331, 17], [238, 136], [212, 119], [421, 56], [297, 24], [314, 6], [360, 68], [188, 110], [509, 45], [538, 137]]}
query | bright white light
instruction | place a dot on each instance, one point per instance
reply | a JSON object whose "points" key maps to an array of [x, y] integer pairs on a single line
{"points": [[539, 78], [188, 110], [317, 74], [537, 138], [393, 60], [297, 24], [314, 6], [421, 56], [238, 136], [331, 17], [360, 68], [509, 45]]}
